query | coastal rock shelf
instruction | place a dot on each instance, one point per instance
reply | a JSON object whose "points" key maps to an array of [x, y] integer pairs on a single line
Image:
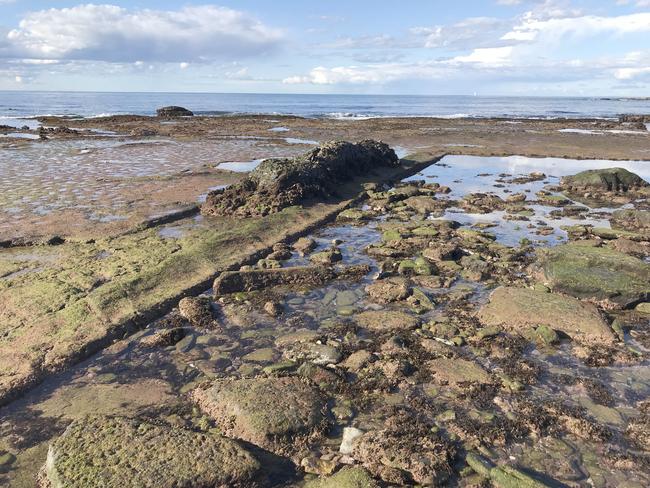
{"points": [[441, 346]]}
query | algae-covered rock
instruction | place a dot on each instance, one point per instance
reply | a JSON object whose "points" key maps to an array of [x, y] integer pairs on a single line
{"points": [[279, 414], [519, 309], [631, 220], [198, 310], [328, 257], [405, 453], [599, 274], [279, 183], [118, 452], [384, 320], [509, 477], [389, 290], [456, 371], [608, 179], [348, 477]]}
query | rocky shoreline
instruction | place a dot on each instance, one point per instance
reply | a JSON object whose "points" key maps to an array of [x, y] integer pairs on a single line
{"points": [[399, 345]]}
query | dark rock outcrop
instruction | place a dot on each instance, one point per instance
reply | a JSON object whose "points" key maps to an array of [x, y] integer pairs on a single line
{"points": [[279, 183], [174, 111]]}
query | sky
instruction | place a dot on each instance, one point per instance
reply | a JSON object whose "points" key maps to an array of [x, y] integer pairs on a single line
{"points": [[427, 47]]}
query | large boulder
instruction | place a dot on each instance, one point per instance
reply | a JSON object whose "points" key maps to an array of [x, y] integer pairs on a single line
{"points": [[602, 275], [174, 111], [278, 414], [114, 452], [608, 179], [279, 183], [521, 309]]}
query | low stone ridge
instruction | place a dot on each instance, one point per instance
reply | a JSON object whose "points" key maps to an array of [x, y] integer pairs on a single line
{"points": [[611, 278], [608, 179], [521, 309], [279, 183], [119, 452], [278, 414], [258, 279], [174, 111]]}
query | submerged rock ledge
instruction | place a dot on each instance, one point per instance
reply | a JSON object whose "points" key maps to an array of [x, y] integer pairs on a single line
{"points": [[279, 183]]}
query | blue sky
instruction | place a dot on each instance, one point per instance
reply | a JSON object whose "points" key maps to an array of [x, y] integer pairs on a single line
{"points": [[491, 47]]}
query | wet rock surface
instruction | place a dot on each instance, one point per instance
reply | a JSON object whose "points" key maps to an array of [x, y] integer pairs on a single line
{"points": [[520, 309], [279, 414], [611, 278], [276, 184], [117, 452], [434, 352]]}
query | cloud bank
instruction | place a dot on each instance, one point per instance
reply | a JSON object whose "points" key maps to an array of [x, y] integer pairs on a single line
{"points": [[115, 34]]}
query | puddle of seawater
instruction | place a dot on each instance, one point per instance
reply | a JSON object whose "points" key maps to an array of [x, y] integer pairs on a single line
{"points": [[279, 129], [461, 174], [21, 135], [308, 142], [240, 166]]}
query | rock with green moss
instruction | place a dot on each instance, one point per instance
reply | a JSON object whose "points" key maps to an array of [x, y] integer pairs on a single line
{"points": [[519, 309], [631, 220], [328, 257], [597, 274], [352, 214], [348, 477], [278, 414], [118, 452], [510, 477], [418, 266], [607, 179]]}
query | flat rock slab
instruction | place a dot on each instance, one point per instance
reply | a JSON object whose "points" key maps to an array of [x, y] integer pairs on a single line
{"points": [[278, 414], [119, 452], [456, 371], [385, 320], [520, 309], [611, 278]]}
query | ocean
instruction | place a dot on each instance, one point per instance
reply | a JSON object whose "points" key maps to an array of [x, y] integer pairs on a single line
{"points": [[22, 104]]}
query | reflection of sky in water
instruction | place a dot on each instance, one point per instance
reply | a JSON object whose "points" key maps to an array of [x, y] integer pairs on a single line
{"points": [[241, 166], [293, 140], [460, 174]]}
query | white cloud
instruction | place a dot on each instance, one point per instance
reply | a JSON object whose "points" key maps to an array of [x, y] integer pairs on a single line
{"points": [[533, 48], [115, 34]]}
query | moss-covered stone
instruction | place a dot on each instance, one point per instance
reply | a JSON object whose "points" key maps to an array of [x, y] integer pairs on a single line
{"points": [[607, 179], [275, 413], [118, 452], [601, 274], [348, 477], [518, 309]]}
